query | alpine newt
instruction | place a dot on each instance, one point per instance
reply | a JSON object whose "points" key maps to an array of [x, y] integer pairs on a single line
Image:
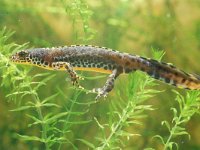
{"points": [[104, 60]]}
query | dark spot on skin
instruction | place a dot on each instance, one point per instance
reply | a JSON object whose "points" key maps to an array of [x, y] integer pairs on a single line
{"points": [[105, 67], [70, 59], [143, 58], [183, 80], [150, 73], [172, 66], [55, 58], [66, 59], [101, 64], [109, 66], [127, 63], [174, 82], [133, 59], [159, 67], [142, 69], [190, 80], [127, 70], [167, 80], [114, 67], [144, 62], [154, 61], [156, 76], [104, 47], [46, 63], [119, 56], [61, 65], [94, 65], [164, 63], [166, 71], [176, 73], [120, 68]]}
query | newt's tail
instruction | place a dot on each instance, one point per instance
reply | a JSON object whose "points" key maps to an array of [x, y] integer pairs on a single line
{"points": [[172, 75]]}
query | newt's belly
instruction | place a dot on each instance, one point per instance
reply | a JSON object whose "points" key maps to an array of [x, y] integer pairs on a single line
{"points": [[101, 70], [92, 69]]}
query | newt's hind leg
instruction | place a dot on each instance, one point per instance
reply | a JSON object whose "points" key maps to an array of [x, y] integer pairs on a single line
{"points": [[109, 85]]}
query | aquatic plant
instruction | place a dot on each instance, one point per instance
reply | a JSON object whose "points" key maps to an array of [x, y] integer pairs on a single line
{"points": [[188, 106], [68, 119]]}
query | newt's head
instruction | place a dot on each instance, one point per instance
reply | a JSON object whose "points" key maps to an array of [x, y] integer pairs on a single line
{"points": [[37, 56], [21, 57]]}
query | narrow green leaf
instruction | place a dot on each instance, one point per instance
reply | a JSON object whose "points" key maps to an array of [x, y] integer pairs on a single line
{"points": [[159, 137], [87, 143], [49, 98], [50, 105], [34, 118], [22, 108], [55, 117], [166, 124], [30, 138]]}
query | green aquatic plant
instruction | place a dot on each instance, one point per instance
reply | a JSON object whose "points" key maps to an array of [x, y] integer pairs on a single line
{"points": [[25, 87], [80, 13], [188, 106], [128, 110], [55, 127], [22, 85]]}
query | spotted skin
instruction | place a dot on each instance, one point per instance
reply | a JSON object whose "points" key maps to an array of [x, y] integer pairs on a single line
{"points": [[104, 60]]}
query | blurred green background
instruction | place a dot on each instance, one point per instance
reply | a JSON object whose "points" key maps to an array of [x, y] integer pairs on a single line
{"points": [[133, 26]]}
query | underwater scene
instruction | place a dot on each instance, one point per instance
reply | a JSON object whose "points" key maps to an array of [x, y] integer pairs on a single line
{"points": [[100, 75]]}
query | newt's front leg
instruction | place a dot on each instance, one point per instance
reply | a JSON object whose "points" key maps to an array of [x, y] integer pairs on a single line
{"points": [[109, 85], [73, 75]]}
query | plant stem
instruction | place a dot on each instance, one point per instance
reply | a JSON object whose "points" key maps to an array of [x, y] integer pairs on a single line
{"points": [[172, 132], [67, 119], [117, 127], [39, 111]]}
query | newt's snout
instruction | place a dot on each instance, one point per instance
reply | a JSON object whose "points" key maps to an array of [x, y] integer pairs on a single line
{"points": [[19, 56]]}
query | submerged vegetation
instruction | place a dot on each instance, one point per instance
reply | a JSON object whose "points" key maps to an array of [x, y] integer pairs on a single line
{"points": [[41, 109]]}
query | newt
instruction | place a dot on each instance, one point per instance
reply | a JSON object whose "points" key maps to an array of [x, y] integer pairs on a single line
{"points": [[103, 60]]}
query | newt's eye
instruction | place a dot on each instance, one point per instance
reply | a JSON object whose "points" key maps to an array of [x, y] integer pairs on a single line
{"points": [[22, 54]]}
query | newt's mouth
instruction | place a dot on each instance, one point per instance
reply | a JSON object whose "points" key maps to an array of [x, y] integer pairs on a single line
{"points": [[16, 58]]}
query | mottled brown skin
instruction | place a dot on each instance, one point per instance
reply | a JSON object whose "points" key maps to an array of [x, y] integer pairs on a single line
{"points": [[100, 59]]}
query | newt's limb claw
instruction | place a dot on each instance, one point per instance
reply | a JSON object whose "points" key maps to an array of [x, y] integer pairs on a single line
{"points": [[109, 85], [101, 92]]}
